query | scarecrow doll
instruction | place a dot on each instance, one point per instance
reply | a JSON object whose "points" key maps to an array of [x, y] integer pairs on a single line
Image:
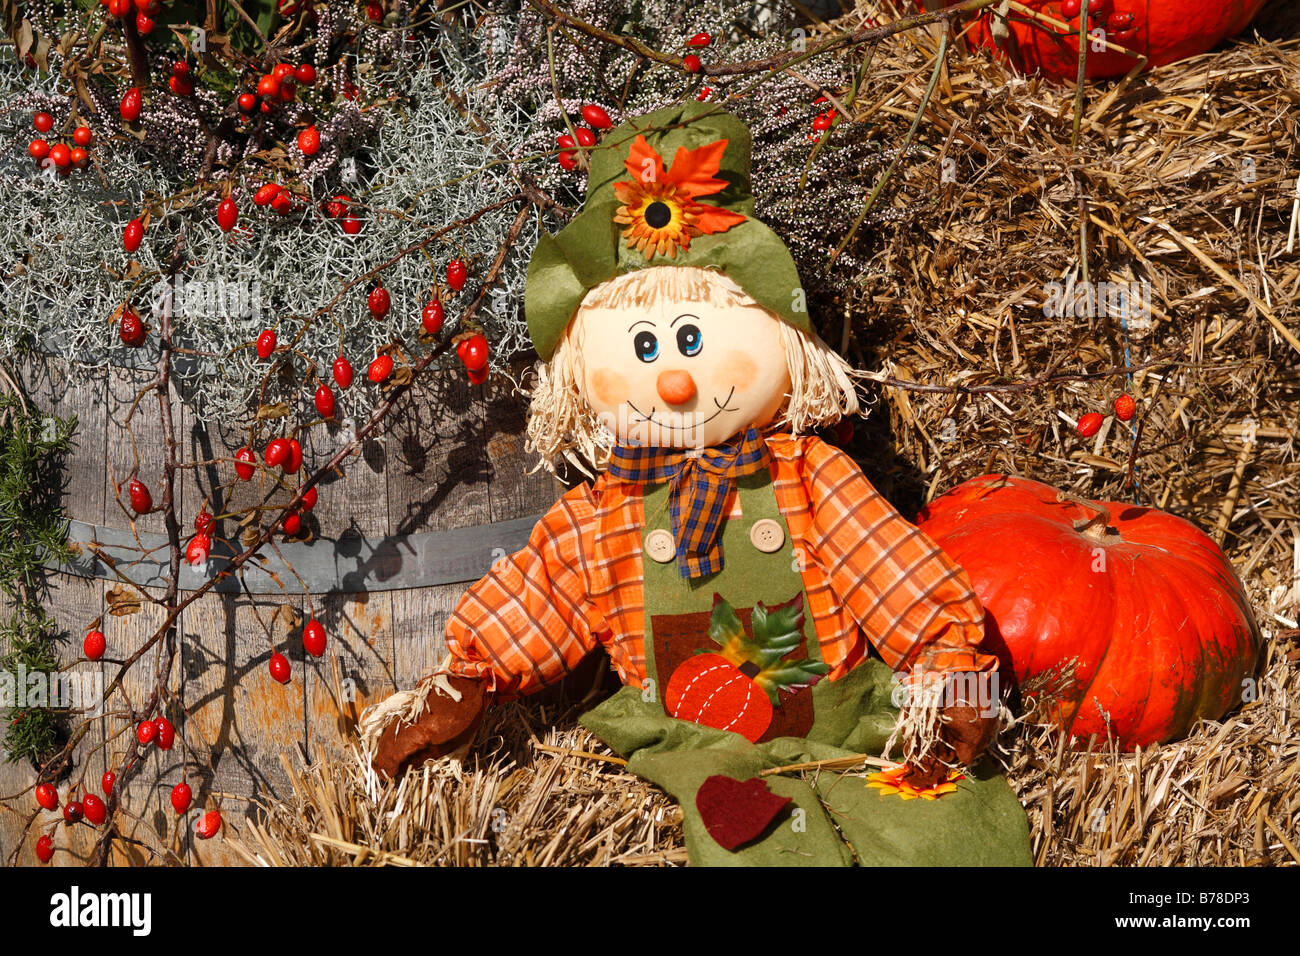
{"points": [[763, 605]]}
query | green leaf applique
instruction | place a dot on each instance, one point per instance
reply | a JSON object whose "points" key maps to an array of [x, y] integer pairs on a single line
{"points": [[778, 631]]}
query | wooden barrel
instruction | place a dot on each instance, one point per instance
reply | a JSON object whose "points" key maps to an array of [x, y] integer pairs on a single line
{"points": [[422, 510]]}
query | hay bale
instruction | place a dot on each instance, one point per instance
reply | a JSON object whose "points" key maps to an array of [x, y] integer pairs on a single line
{"points": [[532, 794]]}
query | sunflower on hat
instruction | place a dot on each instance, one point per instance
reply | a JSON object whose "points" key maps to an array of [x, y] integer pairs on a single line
{"points": [[661, 211]]}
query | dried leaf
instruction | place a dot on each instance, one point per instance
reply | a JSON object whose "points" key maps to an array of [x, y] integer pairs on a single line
{"points": [[400, 376], [83, 93], [122, 602], [24, 38], [42, 54], [266, 412], [285, 613], [250, 536]]}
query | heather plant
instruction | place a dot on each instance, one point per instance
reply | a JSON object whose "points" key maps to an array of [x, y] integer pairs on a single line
{"points": [[809, 190]]}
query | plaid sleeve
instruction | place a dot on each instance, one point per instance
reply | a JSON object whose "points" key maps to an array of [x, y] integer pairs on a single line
{"points": [[912, 601], [530, 620]]}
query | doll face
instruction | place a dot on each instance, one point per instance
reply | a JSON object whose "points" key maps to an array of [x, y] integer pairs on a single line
{"points": [[682, 374]]}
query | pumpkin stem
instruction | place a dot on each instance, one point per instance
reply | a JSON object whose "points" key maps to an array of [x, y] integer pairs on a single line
{"points": [[1094, 526]]}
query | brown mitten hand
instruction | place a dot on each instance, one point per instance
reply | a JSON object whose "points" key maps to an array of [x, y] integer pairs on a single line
{"points": [[965, 732], [443, 726]]}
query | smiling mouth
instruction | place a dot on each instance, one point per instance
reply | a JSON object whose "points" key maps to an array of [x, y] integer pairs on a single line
{"points": [[722, 407]]}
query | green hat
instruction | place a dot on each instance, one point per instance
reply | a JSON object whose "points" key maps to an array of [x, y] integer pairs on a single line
{"points": [[667, 188]]}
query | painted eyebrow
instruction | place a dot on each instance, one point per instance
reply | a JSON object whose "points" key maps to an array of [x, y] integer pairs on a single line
{"points": [[639, 322], [685, 315]]}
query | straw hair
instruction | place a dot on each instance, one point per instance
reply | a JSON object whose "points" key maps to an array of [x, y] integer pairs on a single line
{"points": [[562, 424]]}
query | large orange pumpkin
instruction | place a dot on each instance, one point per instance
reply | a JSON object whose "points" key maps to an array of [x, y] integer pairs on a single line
{"points": [[1136, 611], [1165, 30]]}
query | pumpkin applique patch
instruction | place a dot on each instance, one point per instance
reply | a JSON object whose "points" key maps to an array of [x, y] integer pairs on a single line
{"points": [[737, 687]]}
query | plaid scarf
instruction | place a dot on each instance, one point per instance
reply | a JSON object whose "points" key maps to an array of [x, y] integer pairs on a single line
{"points": [[700, 482]]}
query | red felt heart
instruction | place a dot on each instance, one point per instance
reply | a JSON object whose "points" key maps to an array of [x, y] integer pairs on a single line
{"points": [[735, 811]]}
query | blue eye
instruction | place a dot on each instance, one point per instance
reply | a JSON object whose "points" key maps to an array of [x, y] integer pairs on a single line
{"points": [[647, 346], [689, 340]]}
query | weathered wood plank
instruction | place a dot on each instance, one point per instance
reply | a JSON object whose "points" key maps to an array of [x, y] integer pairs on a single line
{"points": [[241, 720], [419, 628], [76, 605], [513, 492], [360, 631], [144, 456], [145, 795], [438, 470], [352, 500]]}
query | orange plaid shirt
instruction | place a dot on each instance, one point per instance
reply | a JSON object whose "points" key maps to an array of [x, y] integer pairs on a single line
{"points": [[870, 576]]}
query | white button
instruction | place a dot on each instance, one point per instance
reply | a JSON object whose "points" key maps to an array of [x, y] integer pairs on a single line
{"points": [[659, 545], [767, 535]]}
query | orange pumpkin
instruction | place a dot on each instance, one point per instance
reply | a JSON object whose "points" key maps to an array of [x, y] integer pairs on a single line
{"points": [[1135, 614], [1164, 30]]}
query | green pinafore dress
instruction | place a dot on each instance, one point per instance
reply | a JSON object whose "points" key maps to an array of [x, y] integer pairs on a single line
{"points": [[834, 818]]}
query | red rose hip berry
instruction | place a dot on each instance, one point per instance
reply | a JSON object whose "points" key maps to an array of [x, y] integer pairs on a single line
{"points": [[1090, 424], [45, 849], [294, 461], [130, 329], [457, 273], [1125, 406], [324, 401], [208, 827], [166, 733], [277, 452], [94, 645], [313, 638], [309, 141], [596, 117], [380, 369], [147, 732], [141, 499], [279, 668], [473, 352], [378, 302], [244, 467], [227, 214], [182, 796], [131, 104], [94, 809], [342, 372], [132, 235], [47, 796], [266, 344], [432, 317]]}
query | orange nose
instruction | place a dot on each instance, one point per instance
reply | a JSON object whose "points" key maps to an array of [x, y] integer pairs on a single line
{"points": [[676, 387]]}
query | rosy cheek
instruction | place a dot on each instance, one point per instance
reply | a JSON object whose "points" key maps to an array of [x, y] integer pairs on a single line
{"points": [[608, 387], [737, 369]]}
